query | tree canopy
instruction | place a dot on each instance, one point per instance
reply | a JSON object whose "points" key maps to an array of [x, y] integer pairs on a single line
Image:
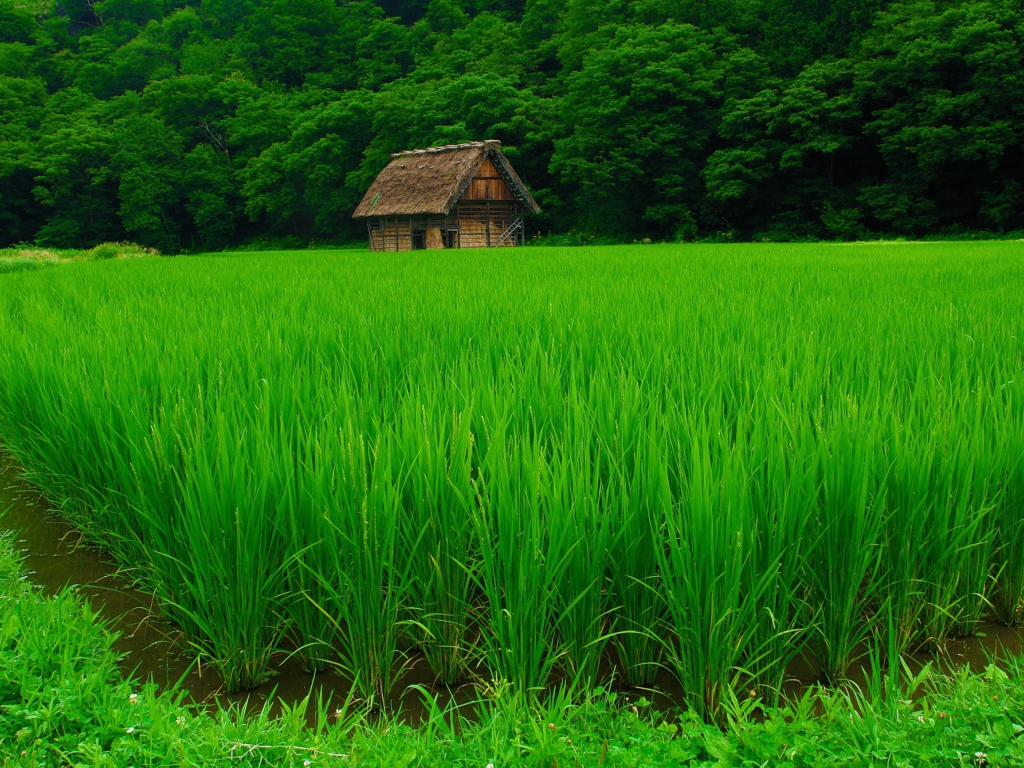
{"points": [[203, 124]]}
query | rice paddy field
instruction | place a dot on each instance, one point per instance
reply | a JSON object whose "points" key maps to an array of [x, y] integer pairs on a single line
{"points": [[540, 468]]}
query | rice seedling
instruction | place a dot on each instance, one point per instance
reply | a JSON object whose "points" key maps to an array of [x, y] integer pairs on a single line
{"points": [[979, 534], [522, 560], [312, 542], [367, 579], [955, 574], [226, 556], [583, 605], [939, 537], [634, 479], [783, 497], [705, 567], [846, 547], [438, 503], [635, 597], [1008, 563], [541, 467]]}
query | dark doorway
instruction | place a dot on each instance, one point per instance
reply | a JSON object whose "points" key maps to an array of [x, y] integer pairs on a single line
{"points": [[419, 239]]}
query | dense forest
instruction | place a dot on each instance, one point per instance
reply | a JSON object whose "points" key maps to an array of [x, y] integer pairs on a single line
{"points": [[202, 124]]}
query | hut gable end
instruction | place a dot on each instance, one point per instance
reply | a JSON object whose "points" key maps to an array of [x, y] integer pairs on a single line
{"points": [[488, 184], [431, 181]]}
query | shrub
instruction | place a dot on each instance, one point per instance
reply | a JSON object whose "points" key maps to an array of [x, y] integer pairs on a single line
{"points": [[120, 251]]}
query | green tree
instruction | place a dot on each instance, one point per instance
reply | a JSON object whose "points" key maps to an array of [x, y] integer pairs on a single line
{"points": [[73, 183], [945, 85], [640, 115], [212, 197], [797, 156], [291, 40], [147, 165], [301, 185], [22, 102], [197, 123]]}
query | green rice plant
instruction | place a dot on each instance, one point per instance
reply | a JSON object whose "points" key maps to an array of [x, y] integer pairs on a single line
{"points": [[583, 598], [979, 533], [711, 606], [320, 444], [958, 559], [312, 541], [1008, 514], [905, 544], [889, 685], [522, 560], [634, 481], [224, 550], [846, 550], [367, 576], [634, 577], [437, 532], [936, 527], [783, 496]]}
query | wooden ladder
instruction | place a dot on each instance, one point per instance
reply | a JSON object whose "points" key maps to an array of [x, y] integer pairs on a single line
{"points": [[508, 233]]}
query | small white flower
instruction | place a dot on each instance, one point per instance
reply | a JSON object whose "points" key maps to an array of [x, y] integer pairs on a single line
{"points": [[134, 698], [180, 720], [131, 729], [490, 765], [307, 763], [920, 718]]}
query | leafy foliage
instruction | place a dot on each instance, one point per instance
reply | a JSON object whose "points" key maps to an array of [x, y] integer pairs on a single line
{"points": [[203, 124]]}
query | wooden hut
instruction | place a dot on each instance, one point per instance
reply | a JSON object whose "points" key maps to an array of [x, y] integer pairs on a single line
{"points": [[456, 196]]}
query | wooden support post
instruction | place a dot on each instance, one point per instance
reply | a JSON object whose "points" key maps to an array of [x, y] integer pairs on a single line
{"points": [[488, 227]]}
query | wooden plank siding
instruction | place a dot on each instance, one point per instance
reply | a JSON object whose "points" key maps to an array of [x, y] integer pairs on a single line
{"points": [[488, 184]]}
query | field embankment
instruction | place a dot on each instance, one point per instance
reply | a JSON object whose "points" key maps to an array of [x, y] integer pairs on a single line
{"points": [[543, 465]]}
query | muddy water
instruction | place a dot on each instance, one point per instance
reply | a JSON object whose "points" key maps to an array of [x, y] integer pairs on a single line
{"points": [[154, 650]]}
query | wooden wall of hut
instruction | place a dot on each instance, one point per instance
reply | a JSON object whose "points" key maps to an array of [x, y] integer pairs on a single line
{"points": [[482, 224], [474, 224], [488, 184], [391, 235], [410, 233]]}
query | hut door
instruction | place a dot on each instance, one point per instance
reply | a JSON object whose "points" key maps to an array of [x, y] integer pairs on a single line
{"points": [[419, 239]]}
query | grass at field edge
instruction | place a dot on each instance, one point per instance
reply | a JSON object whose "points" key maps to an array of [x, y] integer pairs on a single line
{"points": [[64, 702]]}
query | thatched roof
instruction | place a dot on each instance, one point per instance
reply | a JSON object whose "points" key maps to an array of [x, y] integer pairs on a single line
{"points": [[430, 181]]}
